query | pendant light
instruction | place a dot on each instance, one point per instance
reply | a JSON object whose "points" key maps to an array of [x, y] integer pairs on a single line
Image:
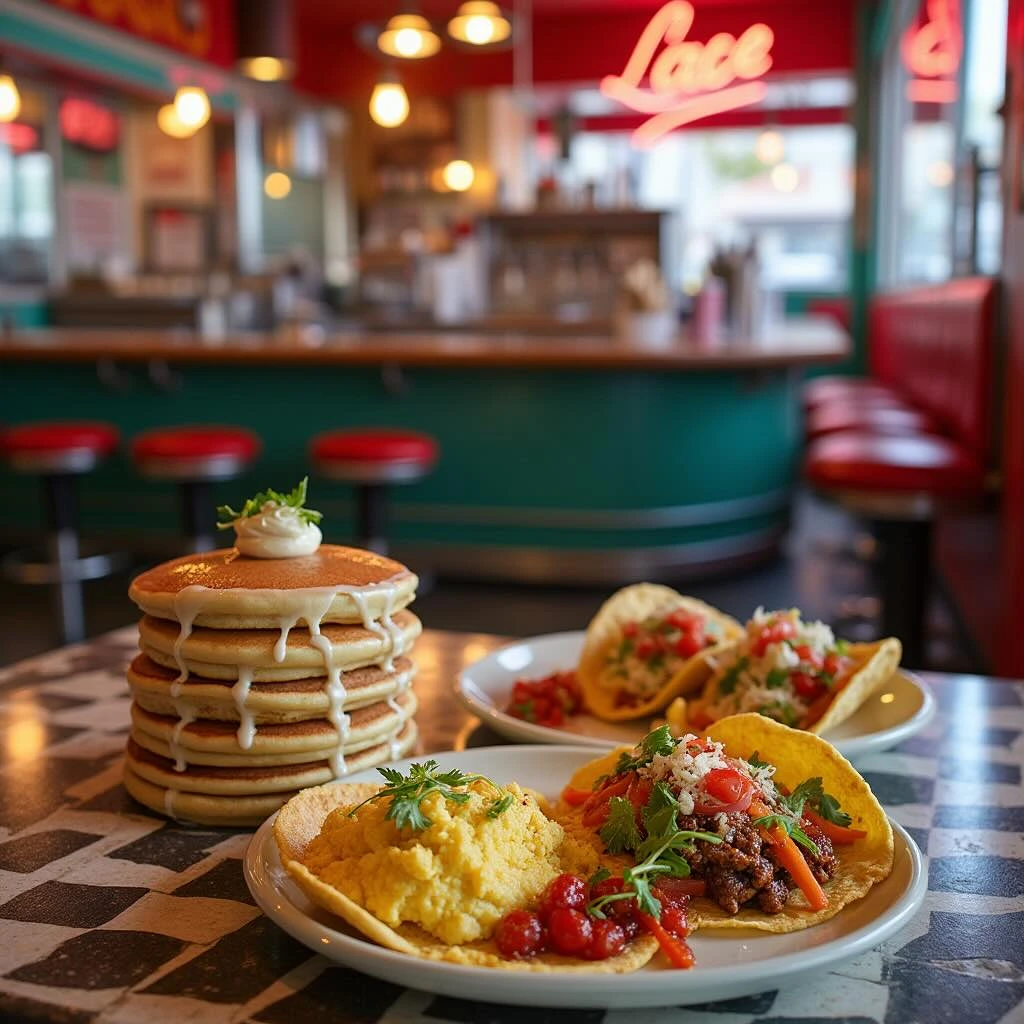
{"points": [[170, 124], [458, 175], [10, 99], [479, 23], [408, 35], [389, 104], [265, 43], [192, 106]]}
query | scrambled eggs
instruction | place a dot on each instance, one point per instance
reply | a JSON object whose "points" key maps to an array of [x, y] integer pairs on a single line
{"points": [[457, 878]]}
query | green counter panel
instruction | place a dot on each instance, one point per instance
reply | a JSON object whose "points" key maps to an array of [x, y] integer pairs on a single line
{"points": [[531, 459]]}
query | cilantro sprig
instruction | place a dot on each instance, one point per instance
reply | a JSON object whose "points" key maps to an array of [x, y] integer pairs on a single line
{"points": [[295, 498], [408, 791], [660, 852], [659, 741]]}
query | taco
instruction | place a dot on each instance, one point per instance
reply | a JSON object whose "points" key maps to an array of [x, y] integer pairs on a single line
{"points": [[764, 826], [435, 876], [795, 672], [646, 646]]}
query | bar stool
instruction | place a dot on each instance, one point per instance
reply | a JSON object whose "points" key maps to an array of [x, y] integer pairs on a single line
{"points": [[58, 453], [898, 483], [194, 457], [370, 460]]}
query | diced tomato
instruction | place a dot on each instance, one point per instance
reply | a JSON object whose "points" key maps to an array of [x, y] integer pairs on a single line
{"points": [[630, 629], [835, 663], [546, 701], [809, 656], [645, 648], [689, 644], [774, 633], [726, 790], [639, 792], [806, 685], [521, 692]]}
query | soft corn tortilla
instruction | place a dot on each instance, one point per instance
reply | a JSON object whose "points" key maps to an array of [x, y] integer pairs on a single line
{"points": [[797, 755], [633, 604], [299, 822], [874, 665]]}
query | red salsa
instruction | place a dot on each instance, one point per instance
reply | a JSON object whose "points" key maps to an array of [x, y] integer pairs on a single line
{"points": [[548, 701]]}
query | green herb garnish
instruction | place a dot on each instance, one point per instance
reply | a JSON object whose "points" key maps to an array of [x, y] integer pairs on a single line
{"points": [[728, 682], [658, 741], [828, 807], [790, 827], [755, 761], [295, 498], [407, 793], [776, 678], [808, 791], [620, 833]]}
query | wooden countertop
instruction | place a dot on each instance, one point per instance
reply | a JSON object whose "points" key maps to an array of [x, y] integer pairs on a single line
{"points": [[795, 342]]}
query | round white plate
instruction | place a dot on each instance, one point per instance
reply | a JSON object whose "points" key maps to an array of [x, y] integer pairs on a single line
{"points": [[728, 965], [903, 708]]}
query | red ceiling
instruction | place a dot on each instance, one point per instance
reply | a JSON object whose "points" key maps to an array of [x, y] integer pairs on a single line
{"points": [[573, 41]]}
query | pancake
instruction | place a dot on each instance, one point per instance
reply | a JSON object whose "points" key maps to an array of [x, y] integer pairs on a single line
{"points": [[218, 653], [224, 590], [253, 780], [220, 744], [242, 809], [267, 703]]}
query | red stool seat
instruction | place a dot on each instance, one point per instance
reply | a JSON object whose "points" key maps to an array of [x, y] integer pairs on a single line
{"points": [[194, 452], [820, 390], [838, 417], [894, 465], [57, 447], [373, 455]]}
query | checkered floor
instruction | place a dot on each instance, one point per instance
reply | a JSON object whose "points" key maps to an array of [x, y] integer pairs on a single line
{"points": [[108, 913]]}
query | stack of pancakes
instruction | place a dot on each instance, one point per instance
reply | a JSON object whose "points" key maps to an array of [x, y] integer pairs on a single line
{"points": [[259, 677]]}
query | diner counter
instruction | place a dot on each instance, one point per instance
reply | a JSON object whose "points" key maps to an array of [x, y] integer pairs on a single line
{"points": [[562, 460], [114, 915], [796, 342]]}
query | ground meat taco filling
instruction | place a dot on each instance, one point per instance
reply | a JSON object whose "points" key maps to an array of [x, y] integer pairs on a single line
{"points": [[688, 810]]}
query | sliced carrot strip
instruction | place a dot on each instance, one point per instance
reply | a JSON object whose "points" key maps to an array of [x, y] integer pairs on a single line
{"points": [[576, 797], [677, 950], [791, 858], [595, 810], [837, 833]]}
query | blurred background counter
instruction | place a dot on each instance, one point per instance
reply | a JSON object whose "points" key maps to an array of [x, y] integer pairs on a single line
{"points": [[547, 443]]}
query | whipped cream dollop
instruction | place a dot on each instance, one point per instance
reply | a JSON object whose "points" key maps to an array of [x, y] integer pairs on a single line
{"points": [[276, 531]]}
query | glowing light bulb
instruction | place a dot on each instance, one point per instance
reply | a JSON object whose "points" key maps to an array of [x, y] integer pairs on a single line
{"points": [[277, 185], [479, 23], [266, 69], [458, 175], [10, 99], [770, 147], [192, 106], [785, 177], [409, 36], [389, 104], [170, 124], [479, 30]]}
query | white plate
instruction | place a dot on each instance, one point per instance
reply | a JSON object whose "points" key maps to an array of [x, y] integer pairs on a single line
{"points": [[903, 708], [728, 965]]}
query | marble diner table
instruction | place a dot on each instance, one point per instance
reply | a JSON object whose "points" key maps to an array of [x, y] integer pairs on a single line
{"points": [[111, 914]]}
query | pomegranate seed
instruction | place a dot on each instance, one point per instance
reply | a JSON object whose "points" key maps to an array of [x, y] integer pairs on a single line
{"points": [[607, 939], [519, 934], [564, 891], [569, 931]]}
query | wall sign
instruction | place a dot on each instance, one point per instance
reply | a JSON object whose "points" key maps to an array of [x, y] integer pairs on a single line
{"points": [[932, 52], [89, 125], [686, 79]]}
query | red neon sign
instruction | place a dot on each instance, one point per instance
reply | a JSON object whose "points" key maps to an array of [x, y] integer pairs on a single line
{"points": [[688, 80], [932, 52], [89, 125]]}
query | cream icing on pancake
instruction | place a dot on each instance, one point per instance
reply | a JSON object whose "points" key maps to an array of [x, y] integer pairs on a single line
{"points": [[206, 742], [267, 702], [238, 809]]}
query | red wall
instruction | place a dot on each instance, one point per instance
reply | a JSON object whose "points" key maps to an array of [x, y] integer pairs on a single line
{"points": [[810, 35]]}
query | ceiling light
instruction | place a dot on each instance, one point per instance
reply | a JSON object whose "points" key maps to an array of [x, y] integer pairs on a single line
{"points": [[479, 23], [264, 45], [408, 36], [192, 106], [389, 104], [10, 99], [170, 124], [770, 147], [458, 175], [277, 184]]}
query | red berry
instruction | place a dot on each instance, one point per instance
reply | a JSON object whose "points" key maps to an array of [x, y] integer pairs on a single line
{"points": [[569, 931], [673, 920], [607, 939], [564, 891], [519, 934]]}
